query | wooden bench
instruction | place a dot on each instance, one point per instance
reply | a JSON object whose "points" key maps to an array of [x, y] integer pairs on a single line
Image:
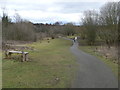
{"points": [[24, 54]]}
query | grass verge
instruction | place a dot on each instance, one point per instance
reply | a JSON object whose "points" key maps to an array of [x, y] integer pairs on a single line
{"points": [[51, 65], [90, 50]]}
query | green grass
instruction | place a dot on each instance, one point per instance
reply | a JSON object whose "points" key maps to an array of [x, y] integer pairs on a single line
{"points": [[113, 66], [47, 62]]}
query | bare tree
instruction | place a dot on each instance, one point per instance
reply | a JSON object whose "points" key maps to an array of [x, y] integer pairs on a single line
{"points": [[17, 17], [108, 21], [90, 22], [20, 30], [5, 24]]}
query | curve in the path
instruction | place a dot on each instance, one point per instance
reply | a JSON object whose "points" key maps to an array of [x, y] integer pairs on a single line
{"points": [[92, 72]]}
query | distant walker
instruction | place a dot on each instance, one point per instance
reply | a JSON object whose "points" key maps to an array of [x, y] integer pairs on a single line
{"points": [[75, 39]]}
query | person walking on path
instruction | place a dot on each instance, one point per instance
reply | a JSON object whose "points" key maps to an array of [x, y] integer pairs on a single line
{"points": [[75, 39]]}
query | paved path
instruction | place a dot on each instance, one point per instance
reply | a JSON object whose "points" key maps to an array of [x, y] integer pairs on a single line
{"points": [[92, 73]]}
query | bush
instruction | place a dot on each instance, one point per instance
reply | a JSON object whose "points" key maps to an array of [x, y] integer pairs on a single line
{"points": [[23, 31]]}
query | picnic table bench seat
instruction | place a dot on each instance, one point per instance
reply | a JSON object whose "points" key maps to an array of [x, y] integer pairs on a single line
{"points": [[24, 54]]}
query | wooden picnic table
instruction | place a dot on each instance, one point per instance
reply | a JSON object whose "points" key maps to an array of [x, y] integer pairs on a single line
{"points": [[24, 54]]}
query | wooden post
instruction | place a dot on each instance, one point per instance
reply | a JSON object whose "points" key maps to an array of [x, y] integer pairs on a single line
{"points": [[26, 57], [6, 54], [23, 56], [9, 54]]}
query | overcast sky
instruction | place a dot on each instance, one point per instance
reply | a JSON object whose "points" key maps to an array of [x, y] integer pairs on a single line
{"points": [[50, 11]]}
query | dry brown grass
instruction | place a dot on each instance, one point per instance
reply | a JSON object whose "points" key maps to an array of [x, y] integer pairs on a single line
{"points": [[110, 53]]}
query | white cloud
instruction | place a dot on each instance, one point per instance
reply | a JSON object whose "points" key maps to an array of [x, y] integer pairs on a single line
{"points": [[49, 17], [51, 10]]}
